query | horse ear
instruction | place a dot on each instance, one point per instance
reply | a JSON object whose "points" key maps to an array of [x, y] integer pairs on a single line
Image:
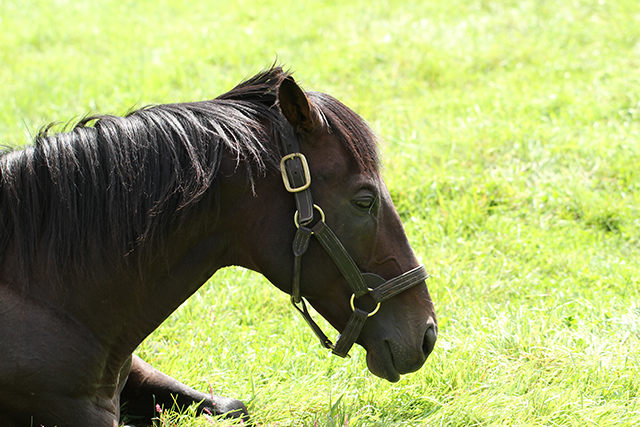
{"points": [[296, 107]]}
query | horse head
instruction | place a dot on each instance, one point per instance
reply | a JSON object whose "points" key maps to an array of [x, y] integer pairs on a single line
{"points": [[346, 250]]}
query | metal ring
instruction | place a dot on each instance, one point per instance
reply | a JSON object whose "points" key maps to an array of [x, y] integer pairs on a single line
{"points": [[295, 216], [353, 307]]}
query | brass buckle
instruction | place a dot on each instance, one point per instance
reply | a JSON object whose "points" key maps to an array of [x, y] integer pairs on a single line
{"points": [[353, 307], [305, 169]]}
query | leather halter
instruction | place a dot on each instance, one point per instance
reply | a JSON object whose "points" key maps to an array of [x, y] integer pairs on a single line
{"points": [[297, 180]]}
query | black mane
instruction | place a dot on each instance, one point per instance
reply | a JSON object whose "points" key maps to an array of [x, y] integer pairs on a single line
{"points": [[119, 182]]}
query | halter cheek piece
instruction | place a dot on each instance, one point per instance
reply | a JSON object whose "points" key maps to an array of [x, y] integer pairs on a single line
{"points": [[297, 180]]}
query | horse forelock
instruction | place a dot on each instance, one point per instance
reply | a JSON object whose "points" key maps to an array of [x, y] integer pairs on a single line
{"points": [[352, 131]]}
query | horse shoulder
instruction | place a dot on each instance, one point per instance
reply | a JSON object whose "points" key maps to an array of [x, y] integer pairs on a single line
{"points": [[45, 354]]}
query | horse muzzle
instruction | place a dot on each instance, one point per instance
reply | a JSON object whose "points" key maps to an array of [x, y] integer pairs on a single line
{"points": [[399, 351]]}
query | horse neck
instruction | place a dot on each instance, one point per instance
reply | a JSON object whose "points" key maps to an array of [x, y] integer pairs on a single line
{"points": [[120, 307]]}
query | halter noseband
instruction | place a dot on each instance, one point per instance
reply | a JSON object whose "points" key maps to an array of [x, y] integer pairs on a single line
{"points": [[297, 180]]}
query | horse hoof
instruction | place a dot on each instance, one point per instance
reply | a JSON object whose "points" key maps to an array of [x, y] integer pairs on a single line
{"points": [[226, 407]]}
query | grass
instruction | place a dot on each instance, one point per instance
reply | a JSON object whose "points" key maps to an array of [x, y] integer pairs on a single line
{"points": [[512, 139]]}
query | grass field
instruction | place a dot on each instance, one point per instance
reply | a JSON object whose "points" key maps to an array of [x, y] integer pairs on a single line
{"points": [[512, 149]]}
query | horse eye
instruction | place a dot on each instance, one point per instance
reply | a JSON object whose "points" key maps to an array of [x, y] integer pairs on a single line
{"points": [[364, 204]]}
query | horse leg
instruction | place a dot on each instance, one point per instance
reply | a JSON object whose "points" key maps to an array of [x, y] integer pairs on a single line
{"points": [[147, 387]]}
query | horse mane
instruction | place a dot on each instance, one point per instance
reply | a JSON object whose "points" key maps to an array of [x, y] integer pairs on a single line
{"points": [[117, 183]]}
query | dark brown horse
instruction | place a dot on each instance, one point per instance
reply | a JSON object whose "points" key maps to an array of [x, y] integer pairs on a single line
{"points": [[107, 229]]}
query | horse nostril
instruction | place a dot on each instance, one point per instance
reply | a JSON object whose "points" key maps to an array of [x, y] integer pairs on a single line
{"points": [[430, 336]]}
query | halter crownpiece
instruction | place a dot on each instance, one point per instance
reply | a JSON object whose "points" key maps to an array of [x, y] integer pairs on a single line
{"points": [[297, 180]]}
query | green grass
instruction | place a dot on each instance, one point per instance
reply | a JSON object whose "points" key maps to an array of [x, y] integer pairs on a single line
{"points": [[512, 144]]}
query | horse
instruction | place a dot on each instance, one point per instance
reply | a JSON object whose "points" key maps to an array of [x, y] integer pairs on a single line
{"points": [[108, 226]]}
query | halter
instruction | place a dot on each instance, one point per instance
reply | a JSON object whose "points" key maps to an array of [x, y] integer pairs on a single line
{"points": [[297, 180]]}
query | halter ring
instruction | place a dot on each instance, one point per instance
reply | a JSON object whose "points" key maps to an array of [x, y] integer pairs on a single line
{"points": [[353, 307], [316, 207]]}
